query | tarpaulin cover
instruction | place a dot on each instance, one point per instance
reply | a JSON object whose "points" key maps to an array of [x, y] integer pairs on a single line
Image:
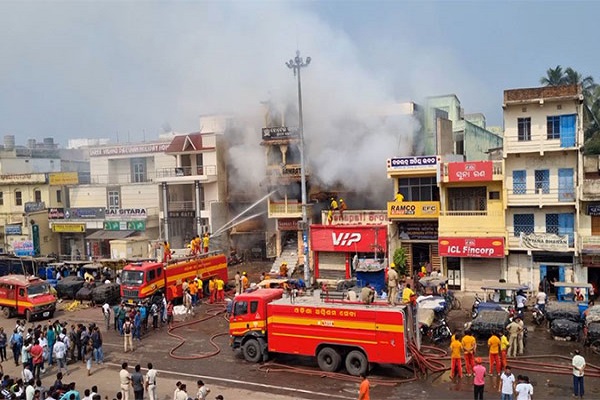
{"points": [[565, 328], [488, 322], [568, 311]]}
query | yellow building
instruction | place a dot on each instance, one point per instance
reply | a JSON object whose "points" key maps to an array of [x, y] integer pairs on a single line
{"points": [[471, 223], [414, 211]]}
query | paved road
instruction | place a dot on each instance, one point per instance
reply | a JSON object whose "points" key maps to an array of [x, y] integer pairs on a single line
{"points": [[236, 379]]}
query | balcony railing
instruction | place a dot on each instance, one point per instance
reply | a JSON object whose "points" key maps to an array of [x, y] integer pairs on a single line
{"points": [[465, 213], [181, 205], [123, 178], [590, 190], [540, 196], [285, 209], [538, 143], [206, 170]]}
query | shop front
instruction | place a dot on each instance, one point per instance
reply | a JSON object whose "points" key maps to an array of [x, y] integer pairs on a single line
{"points": [[471, 262], [343, 251]]}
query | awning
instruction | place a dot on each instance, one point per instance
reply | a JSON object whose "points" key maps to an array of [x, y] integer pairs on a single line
{"points": [[109, 235]]}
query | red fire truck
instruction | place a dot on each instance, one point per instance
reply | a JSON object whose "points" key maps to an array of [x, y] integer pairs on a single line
{"points": [[352, 334], [26, 295], [140, 281]]}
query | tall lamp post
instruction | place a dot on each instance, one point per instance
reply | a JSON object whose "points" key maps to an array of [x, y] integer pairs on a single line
{"points": [[296, 65]]}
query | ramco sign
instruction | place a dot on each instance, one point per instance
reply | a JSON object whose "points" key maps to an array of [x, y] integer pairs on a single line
{"points": [[349, 239]]}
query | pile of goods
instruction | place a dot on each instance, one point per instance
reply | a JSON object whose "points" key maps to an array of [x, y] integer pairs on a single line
{"points": [[488, 322]]}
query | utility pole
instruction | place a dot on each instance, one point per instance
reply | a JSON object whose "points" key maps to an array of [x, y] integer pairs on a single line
{"points": [[296, 65]]}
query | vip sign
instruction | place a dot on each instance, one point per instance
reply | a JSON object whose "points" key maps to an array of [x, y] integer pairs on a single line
{"points": [[345, 239]]}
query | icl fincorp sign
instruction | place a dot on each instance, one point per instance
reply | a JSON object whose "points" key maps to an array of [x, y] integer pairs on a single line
{"points": [[471, 247]]}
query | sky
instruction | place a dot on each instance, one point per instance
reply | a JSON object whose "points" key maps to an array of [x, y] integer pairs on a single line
{"points": [[129, 70]]}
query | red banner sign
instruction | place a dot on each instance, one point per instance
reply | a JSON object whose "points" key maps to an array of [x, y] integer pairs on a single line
{"points": [[471, 247], [475, 171], [349, 239]]}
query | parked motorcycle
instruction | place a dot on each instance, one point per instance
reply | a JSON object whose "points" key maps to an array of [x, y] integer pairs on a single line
{"points": [[538, 315], [475, 307], [234, 259], [437, 333]]}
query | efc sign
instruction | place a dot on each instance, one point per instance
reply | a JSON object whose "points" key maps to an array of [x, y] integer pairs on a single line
{"points": [[471, 247], [413, 209], [348, 238]]}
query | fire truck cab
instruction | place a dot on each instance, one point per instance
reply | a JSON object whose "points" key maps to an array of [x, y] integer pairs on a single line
{"points": [[339, 333], [26, 295]]}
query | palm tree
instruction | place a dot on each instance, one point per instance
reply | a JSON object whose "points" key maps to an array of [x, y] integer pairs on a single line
{"points": [[587, 84], [554, 77]]}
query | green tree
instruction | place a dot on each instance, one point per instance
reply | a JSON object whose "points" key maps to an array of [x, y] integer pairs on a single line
{"points": [[400, 259], [554, 77]]}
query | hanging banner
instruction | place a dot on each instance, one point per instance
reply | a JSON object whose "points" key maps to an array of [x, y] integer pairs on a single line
{"points": [[545, 241]]}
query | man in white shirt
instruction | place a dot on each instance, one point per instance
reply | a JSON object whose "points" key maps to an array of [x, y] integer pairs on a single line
{"points": [[26, 374], [60, 353], [507, 384], [202, 391], [29, 390], [125, 381], [151, 382], [524, 389], [578, 363], [106, 313], [541, 299]]}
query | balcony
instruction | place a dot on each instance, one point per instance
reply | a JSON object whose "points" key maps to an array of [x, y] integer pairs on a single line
{"points": [[285, 209], [589, 244], [182, 205], [121, 179], [541, 197], [539, 143], [476, 171], [470, 223], [590, 190], [203, 173]]}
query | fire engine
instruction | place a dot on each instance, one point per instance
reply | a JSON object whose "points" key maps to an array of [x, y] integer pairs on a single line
{"points": [[140, 281], [26, 295], [353, 334]]}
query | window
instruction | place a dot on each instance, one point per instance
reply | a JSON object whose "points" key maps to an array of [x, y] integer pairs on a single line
{"points": [[1, 198], [159, 272], [113, 199], [553, 127], [253, 306], [419, 189], [519, 182], [37, 195], [240, 308], [542, 181], [523, 223], [59, 196], [552, 223], [595, 225], [138, 170], [566, 186], [18, 198], [467, 199], [494, 195], [524, 129], [151, 275]]}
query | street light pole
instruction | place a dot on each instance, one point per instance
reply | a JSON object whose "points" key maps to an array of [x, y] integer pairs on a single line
{"points": [[296, 65]]}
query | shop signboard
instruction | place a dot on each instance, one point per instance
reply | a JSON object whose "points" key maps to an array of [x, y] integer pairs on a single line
{"points": [[182, 214], [9, 179], [126, 213], [473, 171], [85, 213], [349, 239], [63, 178], [471, 247], [427, 230], [125, 226], [413, 209], [129, 149], [68, 228], [139, 226], [545, 241], [412, 162], [287, 224], [23, 248], [278, 132], [359, 217], [56, 213], [593, 210], [34, 206], [13, 230]]}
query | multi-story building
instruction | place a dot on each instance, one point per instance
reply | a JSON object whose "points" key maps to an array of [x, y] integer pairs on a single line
{"points": [[589, 217], [542, 142], [471, 223]]}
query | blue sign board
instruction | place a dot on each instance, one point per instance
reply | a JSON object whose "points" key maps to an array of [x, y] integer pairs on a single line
{"points": [[24, 248], [12, 230]]}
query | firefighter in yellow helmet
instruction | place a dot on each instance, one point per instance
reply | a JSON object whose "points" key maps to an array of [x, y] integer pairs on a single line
{"points": [[342, 208]]}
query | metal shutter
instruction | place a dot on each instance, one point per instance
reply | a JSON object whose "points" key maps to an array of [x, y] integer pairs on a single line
{"points": [[332, 265]]}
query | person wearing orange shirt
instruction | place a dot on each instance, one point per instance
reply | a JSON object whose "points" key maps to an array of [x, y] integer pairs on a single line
{"points": [[455, 357], [220, 289], [194, 292], [212, 288], [494, 353], [364, 388], [469, 348], [245, 281], [193, 247]]}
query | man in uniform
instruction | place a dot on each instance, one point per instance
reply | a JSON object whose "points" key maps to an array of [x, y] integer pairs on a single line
{"points": [[342, 208], [334, 205], [205, 242], [245, 281], [367, 295], [407, 293], [469, 347], [513, 336], [392, 283], [238, 283]]}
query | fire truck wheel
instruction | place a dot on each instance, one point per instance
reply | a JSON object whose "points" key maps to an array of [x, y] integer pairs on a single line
{"points": [[356, 363], [251, 350], [329, 359], [7, 312]]}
